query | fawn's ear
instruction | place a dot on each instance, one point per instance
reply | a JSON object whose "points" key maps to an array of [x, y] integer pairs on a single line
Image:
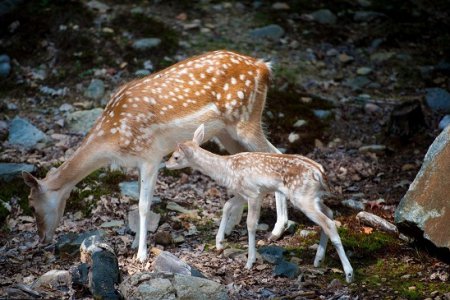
{"points": [[30, 180], [186, 150], [199, 134]]}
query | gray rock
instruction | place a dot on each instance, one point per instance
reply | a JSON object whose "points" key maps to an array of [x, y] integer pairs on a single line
{"points": [[133, 221], [69, 244], [130, 189], [322, 114], [53, 279], [364, 71], [381, 56], [95, 90], [444, 122], [146, 43], [169, 263], [438, 99], [367, 16], [272, 31], [142, 73], [372, 148], [272, 254], [81, 121], [424, 211], [53, 92], [357, 83], [232, 252], [324, 16], [104, 273], [5, 65], [165, 286], [111, 224], [66, 107], [80, 275], [23, 133], [354, 204], [286, 269], [10, 170]]}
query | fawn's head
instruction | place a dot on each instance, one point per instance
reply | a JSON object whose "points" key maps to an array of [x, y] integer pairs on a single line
{"points": [[181, 157], [47, 206]]}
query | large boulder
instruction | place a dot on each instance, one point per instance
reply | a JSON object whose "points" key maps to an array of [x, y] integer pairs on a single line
{"points": [[424, 211], [148, 285]]}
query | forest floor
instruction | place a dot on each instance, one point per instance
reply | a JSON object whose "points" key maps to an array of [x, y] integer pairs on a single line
{"points": [[359, 71]]}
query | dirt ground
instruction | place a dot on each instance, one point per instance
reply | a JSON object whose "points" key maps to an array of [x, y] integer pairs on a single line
{"points": [[74, 44]]}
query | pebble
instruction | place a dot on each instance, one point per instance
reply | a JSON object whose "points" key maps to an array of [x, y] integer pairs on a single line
{"points": [[163, 238], [363, 71], [357, 83], [113, 223], [272, 31], [5, 65], [322, 114], [81, 121], [286, 269], [372, 148], [142, 73], [293, 137], [366, 16], [23, 133], [66, 107], [232, 252], [332, 52], [299, 123], [444, 122], [305, 233], [280, 6], [438, 99], [262, 227], [324, 16], [345, 58], [146, 43], [371, 108], [335, 284], [95, 90], [272, 254], [354, 204]]}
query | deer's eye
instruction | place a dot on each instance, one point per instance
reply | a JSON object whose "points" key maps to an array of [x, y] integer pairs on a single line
{"points": [[176, 157]]}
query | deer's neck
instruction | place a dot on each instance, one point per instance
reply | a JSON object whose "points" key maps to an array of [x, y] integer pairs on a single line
{"points": [[83, 162], [215, 166]]}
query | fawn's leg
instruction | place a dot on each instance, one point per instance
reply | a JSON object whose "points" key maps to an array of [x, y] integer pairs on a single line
{"points": [[320, 254], [228, 214], [253, 139], [254, 207], [148, 174], [311, 208]]}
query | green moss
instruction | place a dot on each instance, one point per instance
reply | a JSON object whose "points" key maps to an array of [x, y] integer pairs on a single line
{"points": [[365, 244], [89, 190]]}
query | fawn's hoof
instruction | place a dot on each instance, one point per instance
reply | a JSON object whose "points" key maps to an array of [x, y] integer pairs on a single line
{"points": [[271, 237]]}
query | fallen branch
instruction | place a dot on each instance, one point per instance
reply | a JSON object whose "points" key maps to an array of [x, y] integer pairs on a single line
{"points": [[376, 221]]}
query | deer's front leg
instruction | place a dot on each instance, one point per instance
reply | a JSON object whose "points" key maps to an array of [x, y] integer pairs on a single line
{"points": [[254, 207], [231, 215], [147, 185]]}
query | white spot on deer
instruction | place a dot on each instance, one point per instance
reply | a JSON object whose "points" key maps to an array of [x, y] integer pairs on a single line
{"points": [[240, 94], [233, 80], [164, 108], [248, 82], [135, 105], [202, 75], [225, 87], [228, 96], [113, 130], [242, 76], [218, 96], [124, 105], [111, 114]]}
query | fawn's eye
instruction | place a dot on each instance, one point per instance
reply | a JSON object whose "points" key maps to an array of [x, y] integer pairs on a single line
{"points": [[176, 157]]}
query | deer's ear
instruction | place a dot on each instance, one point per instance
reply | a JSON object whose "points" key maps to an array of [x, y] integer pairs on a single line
{"points": [[186, 150], [199, 135], [30, 180]]}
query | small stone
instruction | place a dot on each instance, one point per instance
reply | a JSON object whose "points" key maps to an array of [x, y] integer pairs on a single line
{"points": [[130, 189], [408, 167], [142, 73], [305, 233], [95, 90], [25, 134], [261, 267], [364, 71], [438, 99], [232, 252], [332, 52], [372, 148], [53, 278], [381, 56], [366, 16], [434, 293], [5, 65], [313, 247], [354, 204], [152, 223], [406, 276], [357, 83], [272, 254], [110, 224], [299, 123], [371, 108], [293, 137], [345, 58], [324, 16], [444, 122], [262, 227], [335, 284], [66, 107], [10, 170], [163, 238], [82, 121], [146, 43], [280, 6], [286, 269], [273, 32], [167, 262], [322, 114], [179, 239]]}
